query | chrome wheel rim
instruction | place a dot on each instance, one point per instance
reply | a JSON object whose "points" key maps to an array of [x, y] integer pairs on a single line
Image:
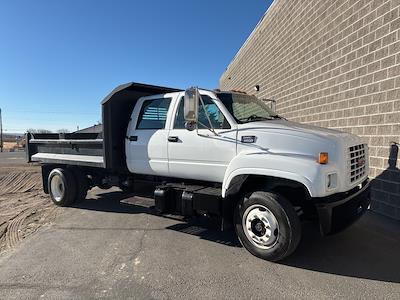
{"points": [[57, 188], [260, 226]]}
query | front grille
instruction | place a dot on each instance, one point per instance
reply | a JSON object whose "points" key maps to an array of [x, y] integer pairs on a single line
{"points": [[357, 162]]}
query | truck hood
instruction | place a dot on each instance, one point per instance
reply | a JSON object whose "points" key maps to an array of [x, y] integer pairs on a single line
{"points": [[288, 128], [283, 137]]}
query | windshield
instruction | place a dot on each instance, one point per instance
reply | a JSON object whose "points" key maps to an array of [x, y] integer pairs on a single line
{"points": [[246, 108]]}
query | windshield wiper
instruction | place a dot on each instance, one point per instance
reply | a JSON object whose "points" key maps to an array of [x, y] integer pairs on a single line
{"points": [[279, 117], [254, 118]]}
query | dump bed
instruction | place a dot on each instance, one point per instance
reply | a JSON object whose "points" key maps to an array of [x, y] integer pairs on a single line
{"points": [[102, 150]]}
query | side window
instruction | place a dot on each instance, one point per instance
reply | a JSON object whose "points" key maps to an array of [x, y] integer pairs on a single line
{"points": [[217, 119], [153, 114]]}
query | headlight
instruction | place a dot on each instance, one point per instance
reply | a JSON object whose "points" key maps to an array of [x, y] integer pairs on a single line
{"points": [[331, 181]]}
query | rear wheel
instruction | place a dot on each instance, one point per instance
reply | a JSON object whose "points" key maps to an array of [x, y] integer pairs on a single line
{"points": [[267, 225], [62, 186]]}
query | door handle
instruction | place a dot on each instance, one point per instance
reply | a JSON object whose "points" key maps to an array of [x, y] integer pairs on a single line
{"points": [[173, 139], [132, 138]]}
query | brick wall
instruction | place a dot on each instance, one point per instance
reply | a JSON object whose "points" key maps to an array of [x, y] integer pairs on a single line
{"points": [[333, 64]]}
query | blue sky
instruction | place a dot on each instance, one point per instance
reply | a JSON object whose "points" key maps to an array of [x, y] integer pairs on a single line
{"points": [[58, 59]]}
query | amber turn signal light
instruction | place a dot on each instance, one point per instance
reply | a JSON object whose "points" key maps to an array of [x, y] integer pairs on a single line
{"points": [[323, 158]]}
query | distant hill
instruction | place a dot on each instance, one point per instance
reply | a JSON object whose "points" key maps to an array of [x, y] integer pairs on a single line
{"points": [[12, 137]]}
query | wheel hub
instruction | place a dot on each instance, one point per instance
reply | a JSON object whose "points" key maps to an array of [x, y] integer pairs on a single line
{"points": [[260, 226], [57, 187]]}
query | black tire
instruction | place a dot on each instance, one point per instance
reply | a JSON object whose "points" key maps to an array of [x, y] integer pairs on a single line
{"points": [[62, 187], [283, 240], [82, 186]]}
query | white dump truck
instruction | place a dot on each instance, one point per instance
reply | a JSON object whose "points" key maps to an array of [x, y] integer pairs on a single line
{"points": [[222, 154]]}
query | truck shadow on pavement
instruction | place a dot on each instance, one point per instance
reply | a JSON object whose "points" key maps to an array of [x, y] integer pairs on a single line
{"points": [[119, 202], [368, 249]]}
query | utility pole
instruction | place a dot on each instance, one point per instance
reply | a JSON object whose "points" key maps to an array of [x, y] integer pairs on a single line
{"points": [[1, 133]]}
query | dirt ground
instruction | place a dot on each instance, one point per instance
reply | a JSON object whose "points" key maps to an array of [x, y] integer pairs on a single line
{"points": [[9, 145], [23, 205]]}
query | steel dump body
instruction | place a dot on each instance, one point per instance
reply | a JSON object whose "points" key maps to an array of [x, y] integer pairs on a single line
{"points": [[100, 150]]}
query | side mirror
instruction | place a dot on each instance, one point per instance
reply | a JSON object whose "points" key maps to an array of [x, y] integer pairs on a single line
{"points": [[271, 103], [191, 104], [191, 108], [190, 125]]}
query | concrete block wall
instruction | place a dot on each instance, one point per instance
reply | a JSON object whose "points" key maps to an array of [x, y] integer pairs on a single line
{"points": [[333, 64]]}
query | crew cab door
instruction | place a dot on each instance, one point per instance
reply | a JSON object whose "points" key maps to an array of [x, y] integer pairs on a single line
{"points": [[201, 155], [146, 141]]}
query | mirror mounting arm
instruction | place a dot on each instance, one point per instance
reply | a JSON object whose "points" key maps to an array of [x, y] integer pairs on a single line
{"points": [[272, 103], [211, 128]]}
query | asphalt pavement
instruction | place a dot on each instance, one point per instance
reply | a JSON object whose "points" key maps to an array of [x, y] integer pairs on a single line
{"points": [[114, 246], [9, 158]]}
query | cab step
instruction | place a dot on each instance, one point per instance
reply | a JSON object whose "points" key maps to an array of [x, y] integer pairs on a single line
{"points": [[188, 200]]}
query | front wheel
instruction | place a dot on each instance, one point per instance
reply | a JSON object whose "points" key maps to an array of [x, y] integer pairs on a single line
{"points": [[267, 225]]}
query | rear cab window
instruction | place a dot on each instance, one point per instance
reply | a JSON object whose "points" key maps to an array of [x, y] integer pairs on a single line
{"points": [[153, 114]]}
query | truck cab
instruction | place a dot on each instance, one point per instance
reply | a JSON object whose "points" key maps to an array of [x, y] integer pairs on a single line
{"points": [[218, 153], [240, 143], [159, 143]]}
